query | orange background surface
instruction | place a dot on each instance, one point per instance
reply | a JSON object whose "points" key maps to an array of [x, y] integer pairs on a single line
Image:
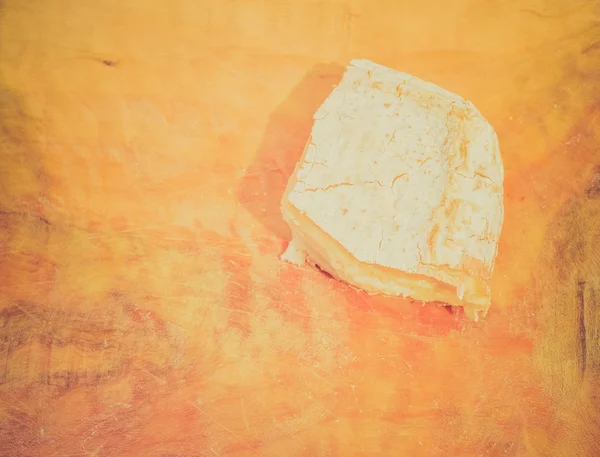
{"points": [[144, 310]]}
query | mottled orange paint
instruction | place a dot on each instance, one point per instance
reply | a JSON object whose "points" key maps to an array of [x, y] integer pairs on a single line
{"points": [[144, 310]]}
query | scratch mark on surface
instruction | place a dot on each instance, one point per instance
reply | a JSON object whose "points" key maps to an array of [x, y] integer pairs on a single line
{"points": [[419, 337], [321, 405], [157, 379], [25, 215], [371, 311], [28, 314], [320, 377], [244, 412], [234, 310], [138, 229], [549, 16], [295, 311], [27, 284], [582, 336], [593, 190], [591, 47], [23, 404], [228, 430], [27, 426]]}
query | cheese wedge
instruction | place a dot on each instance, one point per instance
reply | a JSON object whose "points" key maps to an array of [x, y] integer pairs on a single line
{"points": [[399, 190]]}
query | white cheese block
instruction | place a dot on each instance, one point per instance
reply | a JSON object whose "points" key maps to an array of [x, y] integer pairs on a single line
{"points": [[399, 190]]}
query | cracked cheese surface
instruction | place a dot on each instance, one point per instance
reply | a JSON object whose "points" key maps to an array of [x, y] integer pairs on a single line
{"points": [[403, 175]]}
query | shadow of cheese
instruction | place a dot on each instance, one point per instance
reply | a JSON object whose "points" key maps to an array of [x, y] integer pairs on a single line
{"points": [[288, 130], [566, 294]]}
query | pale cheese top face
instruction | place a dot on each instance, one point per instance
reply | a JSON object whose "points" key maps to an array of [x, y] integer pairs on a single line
{"points": [[403, 174]]}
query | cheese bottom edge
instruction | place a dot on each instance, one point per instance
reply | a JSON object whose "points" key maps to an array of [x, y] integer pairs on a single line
{"points": [[311, 244]]}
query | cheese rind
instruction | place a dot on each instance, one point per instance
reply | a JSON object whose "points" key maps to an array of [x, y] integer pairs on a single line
{"points": [[399, 190]]}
